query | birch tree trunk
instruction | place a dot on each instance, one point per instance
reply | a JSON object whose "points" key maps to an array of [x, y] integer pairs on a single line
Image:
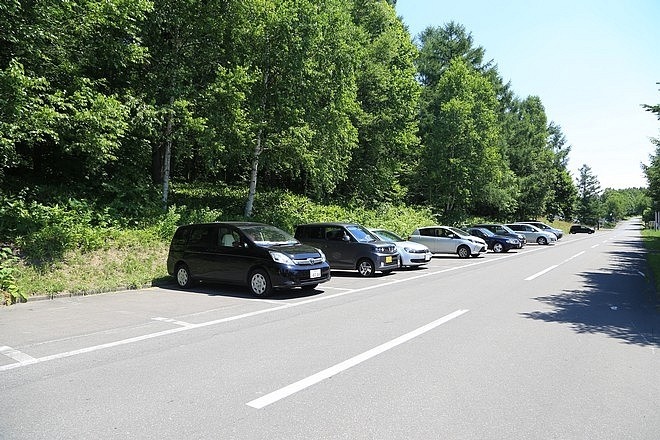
{"points": [[168, 155]]}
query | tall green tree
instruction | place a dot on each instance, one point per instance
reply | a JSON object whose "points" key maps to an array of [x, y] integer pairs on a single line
{"points": [[389, 98], [588, 205], [298, 61], [528, 154], [65, 118], [563, 194], [460, 136]]}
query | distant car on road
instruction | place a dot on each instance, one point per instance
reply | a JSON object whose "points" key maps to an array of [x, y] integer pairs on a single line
{"points": [[449, 240], [260, 256], [496, 243], [411, 254], [581, 229], [533, 234]]}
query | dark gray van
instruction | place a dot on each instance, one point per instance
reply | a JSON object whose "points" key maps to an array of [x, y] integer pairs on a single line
{"points": [[350, 246], [260, 256]]}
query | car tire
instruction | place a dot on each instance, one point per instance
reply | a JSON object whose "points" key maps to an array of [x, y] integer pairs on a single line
{"points": [[259, 283], [366, 268], [498, 247], [542, 240], [183, 276], [463, 252]]}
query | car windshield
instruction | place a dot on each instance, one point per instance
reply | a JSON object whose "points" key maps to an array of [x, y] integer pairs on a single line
{"points": [[459, 232], [361, 234], [504, 229], [486, 232], [387, 235], [266, 235]]}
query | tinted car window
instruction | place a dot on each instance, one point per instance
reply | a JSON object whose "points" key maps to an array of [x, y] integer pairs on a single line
{"points": [[202, 235]]}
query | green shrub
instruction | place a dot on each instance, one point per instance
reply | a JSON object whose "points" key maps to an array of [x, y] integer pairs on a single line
{"points": [[9, 290]]}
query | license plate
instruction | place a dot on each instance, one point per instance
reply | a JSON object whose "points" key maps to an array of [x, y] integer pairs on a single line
{"points": [[388, 259], [315, 273]]}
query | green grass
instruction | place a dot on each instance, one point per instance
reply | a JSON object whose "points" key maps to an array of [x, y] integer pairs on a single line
{"points": [[651, 239], [118, 266]]}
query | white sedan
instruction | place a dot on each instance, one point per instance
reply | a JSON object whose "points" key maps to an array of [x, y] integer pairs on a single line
{"points": [[411, 254]]}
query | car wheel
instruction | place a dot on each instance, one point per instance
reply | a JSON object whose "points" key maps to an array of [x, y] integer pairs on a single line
{"points": [[309, 287], [463, 252], [183, 276], [497, 248], [259, 283], [542, 240], [366, 268]]}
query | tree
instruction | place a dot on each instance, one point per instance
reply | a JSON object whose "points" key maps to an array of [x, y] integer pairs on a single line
{"points": [[563, 195], [530, 158], [588, 205], [439, 46], [460, 136], [389, 100]]}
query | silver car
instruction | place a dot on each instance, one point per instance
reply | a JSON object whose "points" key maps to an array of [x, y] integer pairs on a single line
{"points": [[547, 228], [411, 254], [449, 240], [532, 233]]}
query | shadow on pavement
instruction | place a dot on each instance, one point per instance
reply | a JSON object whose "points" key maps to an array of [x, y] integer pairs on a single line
{"points": [[618, 301]]}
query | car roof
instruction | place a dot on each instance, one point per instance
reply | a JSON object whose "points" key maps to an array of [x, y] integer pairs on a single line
{"points": [[227, 223], [330, 224]]}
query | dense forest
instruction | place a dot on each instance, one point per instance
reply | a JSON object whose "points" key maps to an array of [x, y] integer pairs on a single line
{"points": [[116, 102], [121, 119]]}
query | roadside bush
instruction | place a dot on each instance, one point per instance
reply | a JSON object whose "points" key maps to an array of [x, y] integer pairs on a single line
{"points": [[9, 290]]}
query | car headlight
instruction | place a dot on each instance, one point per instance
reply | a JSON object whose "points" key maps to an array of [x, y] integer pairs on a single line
{"points": [[512, 241], [279, 257]]}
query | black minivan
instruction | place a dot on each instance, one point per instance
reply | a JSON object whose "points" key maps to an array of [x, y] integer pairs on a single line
{"points": [[260, 256], [350, 246]]}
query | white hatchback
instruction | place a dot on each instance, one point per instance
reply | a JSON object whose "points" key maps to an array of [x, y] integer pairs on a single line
{"points": [[411, 254]]}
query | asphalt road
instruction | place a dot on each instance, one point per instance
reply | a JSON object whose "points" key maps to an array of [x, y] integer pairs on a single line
{"points": [[550, 342]]}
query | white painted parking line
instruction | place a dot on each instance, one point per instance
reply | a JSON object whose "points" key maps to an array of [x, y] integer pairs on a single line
{"points": [[595, 246], [282, 306], [544, 271], [295, 387], [16, 355], [172, 321]]}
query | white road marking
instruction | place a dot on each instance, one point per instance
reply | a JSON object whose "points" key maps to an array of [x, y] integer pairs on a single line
{"points": [[172, 321], [246, 315], [595, 246], [538, 274], [544, 271], [16, 355], [295, 387]]}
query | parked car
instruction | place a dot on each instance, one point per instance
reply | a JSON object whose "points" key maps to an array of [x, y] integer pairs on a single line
{"points": [[581, 229], [547, 228], [449, 240], [350, 246], [260, 256], [496, 243], [411, 254], [532, 233], [503, 230]]}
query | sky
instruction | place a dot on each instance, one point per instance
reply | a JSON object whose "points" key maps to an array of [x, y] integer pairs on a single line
{"points": [[593, 63]]}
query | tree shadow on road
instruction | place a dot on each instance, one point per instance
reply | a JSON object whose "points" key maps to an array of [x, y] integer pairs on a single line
{"points": [[617, 301]]}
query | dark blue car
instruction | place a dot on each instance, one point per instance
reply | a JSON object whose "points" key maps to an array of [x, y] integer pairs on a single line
{"points": [[496, 243]]}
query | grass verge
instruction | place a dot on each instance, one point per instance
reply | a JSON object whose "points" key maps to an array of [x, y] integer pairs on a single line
{"points": [[651, 239]]}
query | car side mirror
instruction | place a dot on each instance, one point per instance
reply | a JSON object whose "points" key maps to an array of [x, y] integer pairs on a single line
{"points": [[346, 239]]}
